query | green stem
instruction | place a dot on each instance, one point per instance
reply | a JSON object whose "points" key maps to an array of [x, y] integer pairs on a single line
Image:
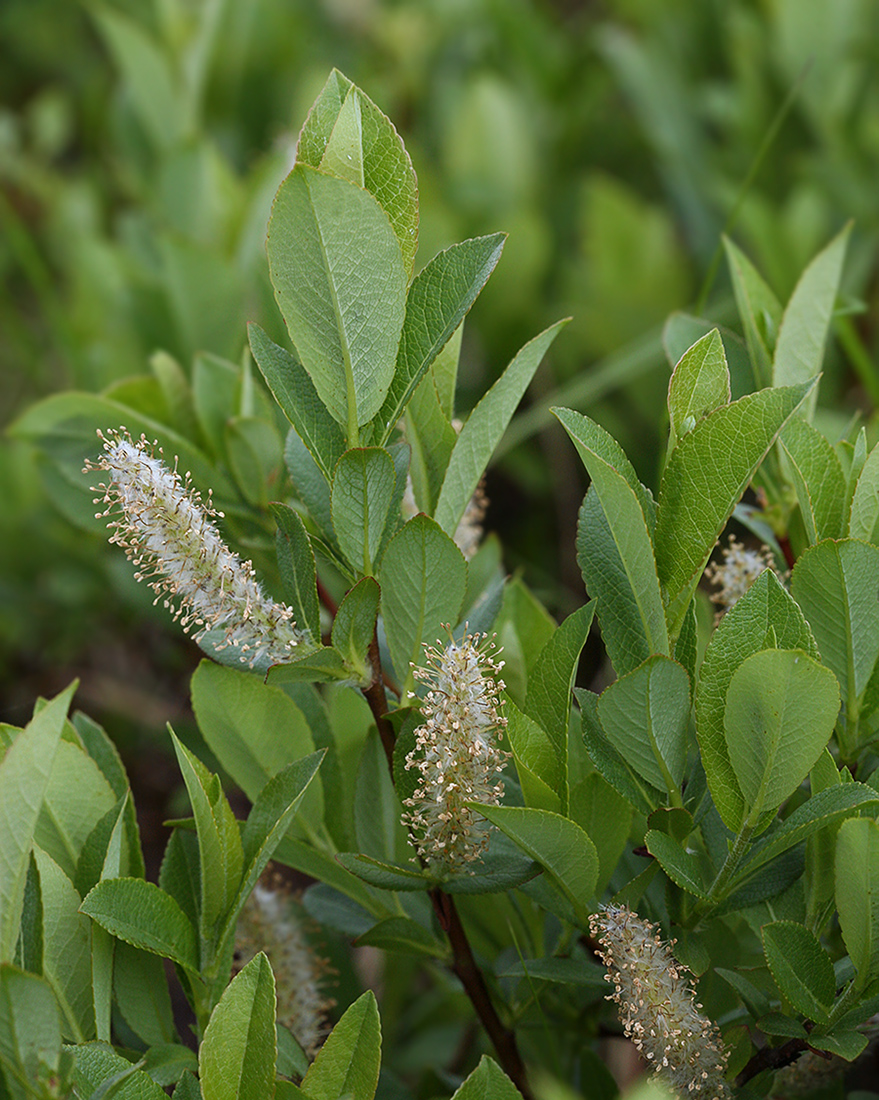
{"points": [[716, 892]]}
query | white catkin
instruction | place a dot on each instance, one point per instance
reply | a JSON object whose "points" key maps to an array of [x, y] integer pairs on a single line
{"points": [[738, 570], [657, 1005], [166, 530], [456, 754]]}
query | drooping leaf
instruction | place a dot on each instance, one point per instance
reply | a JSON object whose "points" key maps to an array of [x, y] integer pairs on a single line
{"points": [[341, 284], [236, 1058]]}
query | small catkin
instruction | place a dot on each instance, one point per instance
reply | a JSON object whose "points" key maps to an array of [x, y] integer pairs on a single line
{"points": [[455, 752], [166, 530], [657, 1005], [738, 570]]}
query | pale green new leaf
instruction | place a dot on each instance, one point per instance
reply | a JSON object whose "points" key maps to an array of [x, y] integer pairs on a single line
{"points": [[699, 385], [781, 707], [484, 428], [236, 1059], [704, 480], [346, 135], [857, 893], [799, 350], [363, 488], [340, 281], [348, 1063], [24, 778]]}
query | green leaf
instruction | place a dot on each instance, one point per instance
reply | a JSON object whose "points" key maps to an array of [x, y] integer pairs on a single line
{"points": [[25, 772], [835, 583], [802, 969], [759, 310], [845, 1044], [100, 1073], [817, 471], [295, 393], [501, 869], [141, 991], [269, 820], [826, 808], [144, 916], [646, 715], [240, 717], [536, 758], [615, 769], [550, 682], [377, 808], [348, 1062], [437, 302], [221, 856], [484, 428], [363, 487], [742, 631], [312, 486], [404, 935], [615, 555], [680, 866], [430, 434], [606, 817], [423, 578], [341, 284], [67, 948], [323, 866], [386, 876], [30, 1030], [857, 894], [781, 707], [320, 666], [698, 492], [558, 844], [799, 350], [253, 447], [344, 122], [698, 386], [487, 1082], [297, 567], [236, 1059], [864, 512]]}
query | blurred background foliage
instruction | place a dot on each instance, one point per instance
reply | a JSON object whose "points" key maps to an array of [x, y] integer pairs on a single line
{"points": [[141, 144]]}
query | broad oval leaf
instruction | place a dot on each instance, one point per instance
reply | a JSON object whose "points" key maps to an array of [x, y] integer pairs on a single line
{"points": [[698, 385], [781, 707], [340, 282], [144, 916], [363, 488], [802, 969]]}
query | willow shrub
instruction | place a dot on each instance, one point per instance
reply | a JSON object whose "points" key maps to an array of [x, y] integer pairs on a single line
{"points": [[401, 713]]}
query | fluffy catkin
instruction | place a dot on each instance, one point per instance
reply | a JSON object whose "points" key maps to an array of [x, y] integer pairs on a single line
{"points": [[455, 752], [166, 530], [657, 1005], [268, 922], [738, 570]]}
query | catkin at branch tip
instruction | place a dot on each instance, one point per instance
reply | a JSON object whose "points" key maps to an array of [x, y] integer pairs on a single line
{"points": [[658, 1007], [166, 530], [455, 752]]}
